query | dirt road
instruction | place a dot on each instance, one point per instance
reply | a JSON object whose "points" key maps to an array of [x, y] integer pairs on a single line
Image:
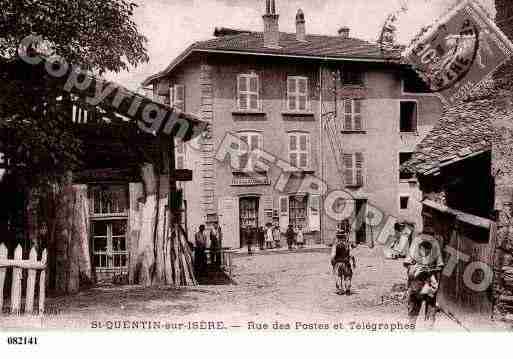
{"points": [[288, 288]]}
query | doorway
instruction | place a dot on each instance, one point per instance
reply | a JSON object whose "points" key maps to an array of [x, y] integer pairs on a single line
{"points": [[248, 215], [361, 212]]}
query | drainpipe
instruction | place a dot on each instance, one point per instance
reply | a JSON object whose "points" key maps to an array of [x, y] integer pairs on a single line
{"points": [[321, 157]]}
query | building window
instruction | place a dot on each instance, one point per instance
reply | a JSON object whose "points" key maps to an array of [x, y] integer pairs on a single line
{"points": [[413, 84], [254, 142], [408, 113], [179, 154], [353, 169], [248, 92], [297, 93], [403, 158], [404, 200], [353, 115], [298, 211], [351, 75], [299, 149], [109, 219], [177, 96]]}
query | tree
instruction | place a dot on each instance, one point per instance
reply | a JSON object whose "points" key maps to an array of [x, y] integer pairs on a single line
{"points": [[35, 113], [96, 36]]}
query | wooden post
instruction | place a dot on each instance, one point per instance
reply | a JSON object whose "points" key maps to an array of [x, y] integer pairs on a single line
{"points": [[42, 283], [31, 282], [3, 255], [184, 273], [16, 283]]}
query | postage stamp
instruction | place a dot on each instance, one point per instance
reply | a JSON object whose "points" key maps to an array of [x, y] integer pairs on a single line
{"points": [[294, 168]]}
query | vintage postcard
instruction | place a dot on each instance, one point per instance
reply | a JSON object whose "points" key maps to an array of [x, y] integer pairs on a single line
{"points": [[255, 166]]}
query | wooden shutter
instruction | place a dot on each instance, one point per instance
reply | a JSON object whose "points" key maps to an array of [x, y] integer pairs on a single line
{"points": [[244, 158], [303, 148], [357, 115], [242, 96], [179, 97], [314, 212], [284, 213], [254, 96], [348, 169], [348, 115], [229, 221], [302, 87], [293, 147], [359, 168], [291, 93]]}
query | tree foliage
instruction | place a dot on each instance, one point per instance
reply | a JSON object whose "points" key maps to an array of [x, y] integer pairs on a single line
{"points": [[97, 36]]}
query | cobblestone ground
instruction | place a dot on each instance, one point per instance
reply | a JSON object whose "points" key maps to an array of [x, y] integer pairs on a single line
{"points": [[285, 287]]}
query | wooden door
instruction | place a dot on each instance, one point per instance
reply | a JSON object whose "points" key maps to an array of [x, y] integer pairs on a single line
{"points": [[229, 221], [248, 214]]}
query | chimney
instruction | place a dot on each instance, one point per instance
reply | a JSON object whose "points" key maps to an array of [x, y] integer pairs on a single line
{"points": [[271, 27], [343, 32], [300, 26]]}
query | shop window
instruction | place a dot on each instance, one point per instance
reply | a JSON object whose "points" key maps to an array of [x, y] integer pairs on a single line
{"points": [[298, 211]]}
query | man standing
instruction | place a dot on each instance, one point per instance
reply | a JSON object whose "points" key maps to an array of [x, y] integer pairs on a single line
{"points": [[200, 256], [290, 235], [424, 264], [216, 246]]}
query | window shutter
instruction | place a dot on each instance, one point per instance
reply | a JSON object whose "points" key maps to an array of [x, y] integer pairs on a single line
{"points": [[359, 168], [348, 169], [284, 213], [244, 158], [242, 98], [314, 213], [171, 95], [348, 115], [358, 126], [179, 97], [293, 143]]}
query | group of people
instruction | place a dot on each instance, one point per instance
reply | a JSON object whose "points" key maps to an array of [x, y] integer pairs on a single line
{"points": [[270, 237], [201, 243]]}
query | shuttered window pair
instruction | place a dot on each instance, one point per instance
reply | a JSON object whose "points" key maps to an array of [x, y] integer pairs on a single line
{"points": [[177, 96], [299, 149], [248, 98], [354, 169], [297, 93], [254, 142], [353, 115]]}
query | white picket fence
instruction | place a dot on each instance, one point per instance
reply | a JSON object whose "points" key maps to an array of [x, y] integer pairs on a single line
{"points": [[32, 265]]}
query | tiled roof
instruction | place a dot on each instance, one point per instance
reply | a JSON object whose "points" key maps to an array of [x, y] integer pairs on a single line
{"points": [[463, 131], [315, 46]]}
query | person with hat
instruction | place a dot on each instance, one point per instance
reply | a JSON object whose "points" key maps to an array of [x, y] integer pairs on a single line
{"points": [[342, 262], [216, 246], [200, 256], [290, 235]]}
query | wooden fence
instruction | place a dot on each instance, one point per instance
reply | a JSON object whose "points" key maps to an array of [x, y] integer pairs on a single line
{"points": [[18, 264]]}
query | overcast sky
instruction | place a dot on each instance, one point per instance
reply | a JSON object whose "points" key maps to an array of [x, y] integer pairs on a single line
{"points": [[172, 25]]}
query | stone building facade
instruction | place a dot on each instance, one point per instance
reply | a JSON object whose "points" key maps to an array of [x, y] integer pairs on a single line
{"points": [[275, 92]]}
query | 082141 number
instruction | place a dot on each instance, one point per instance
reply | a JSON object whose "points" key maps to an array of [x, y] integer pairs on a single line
{"points": [[22, 340]]}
